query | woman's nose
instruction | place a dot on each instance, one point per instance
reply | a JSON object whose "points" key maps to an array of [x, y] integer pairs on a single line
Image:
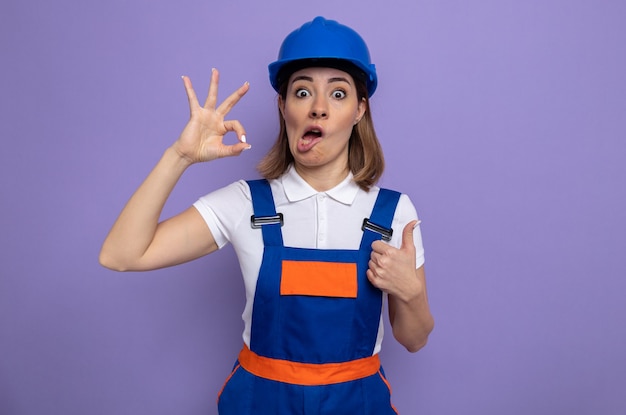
{"points": [[319, 108]]}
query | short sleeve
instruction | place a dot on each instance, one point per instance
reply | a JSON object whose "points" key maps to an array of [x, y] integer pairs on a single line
{"points": [[225, 209], [405, 213]]}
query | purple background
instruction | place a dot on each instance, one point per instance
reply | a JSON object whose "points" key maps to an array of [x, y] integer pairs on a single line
{"points": [[505, 121]]}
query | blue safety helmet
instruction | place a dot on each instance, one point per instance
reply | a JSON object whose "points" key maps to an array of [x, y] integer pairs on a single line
{"points": [[324, 43]]}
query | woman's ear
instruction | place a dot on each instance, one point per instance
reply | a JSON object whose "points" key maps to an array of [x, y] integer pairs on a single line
{"points": [[281, 105], [361, 111]]}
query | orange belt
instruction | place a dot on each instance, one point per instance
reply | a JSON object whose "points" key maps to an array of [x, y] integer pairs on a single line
{"points": [[309, 374]]}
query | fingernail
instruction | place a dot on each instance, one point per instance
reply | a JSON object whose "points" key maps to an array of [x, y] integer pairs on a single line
{"points": [[247, 148], [243, 138], [417, 224]]}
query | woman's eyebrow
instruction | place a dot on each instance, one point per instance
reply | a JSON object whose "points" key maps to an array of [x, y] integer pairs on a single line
{"points": [[302, 78], [310, 79], [339, 79]]}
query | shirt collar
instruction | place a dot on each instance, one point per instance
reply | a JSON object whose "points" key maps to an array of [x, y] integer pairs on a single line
{"points": [[297, 189]]}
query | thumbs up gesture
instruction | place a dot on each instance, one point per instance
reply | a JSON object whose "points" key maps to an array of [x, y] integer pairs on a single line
{"points": [[392, 270]]}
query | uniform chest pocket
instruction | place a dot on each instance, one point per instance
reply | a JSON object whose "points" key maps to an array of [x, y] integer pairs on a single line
{"points": [[319, 279]]}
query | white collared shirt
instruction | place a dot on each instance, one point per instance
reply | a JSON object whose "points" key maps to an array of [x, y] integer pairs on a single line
{"points": [[312, 219]]}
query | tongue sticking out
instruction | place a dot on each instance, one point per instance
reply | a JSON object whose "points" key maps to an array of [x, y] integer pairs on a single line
{"points": [[309, 140]]}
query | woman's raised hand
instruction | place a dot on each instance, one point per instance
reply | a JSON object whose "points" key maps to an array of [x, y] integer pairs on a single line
{"points": [[203, 137]]}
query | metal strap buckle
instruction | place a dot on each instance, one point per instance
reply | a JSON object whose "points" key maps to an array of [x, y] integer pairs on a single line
{"points": [[386, 233], [257, 221]]}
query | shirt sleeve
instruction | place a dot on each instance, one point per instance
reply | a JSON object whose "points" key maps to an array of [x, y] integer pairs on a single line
{"points": [[405, 213], [225, 209]]}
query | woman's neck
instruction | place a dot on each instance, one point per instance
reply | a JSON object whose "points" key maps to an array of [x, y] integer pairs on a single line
{"points": [[322, 179]]}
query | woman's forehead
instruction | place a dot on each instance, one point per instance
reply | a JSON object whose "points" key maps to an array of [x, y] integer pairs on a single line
{"points": [[321, 72]]}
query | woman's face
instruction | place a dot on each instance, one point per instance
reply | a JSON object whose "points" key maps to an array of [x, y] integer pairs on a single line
{"points": [[320, 109]]}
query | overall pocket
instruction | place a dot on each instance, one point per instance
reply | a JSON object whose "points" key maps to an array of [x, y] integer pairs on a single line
{"points": [[236, 394]]}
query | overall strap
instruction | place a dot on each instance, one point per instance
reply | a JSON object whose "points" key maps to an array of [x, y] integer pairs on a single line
{"points": [[378, 225], [265, 216]]}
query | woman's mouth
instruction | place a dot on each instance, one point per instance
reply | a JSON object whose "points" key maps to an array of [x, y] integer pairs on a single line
{"points": [[311, 137]]}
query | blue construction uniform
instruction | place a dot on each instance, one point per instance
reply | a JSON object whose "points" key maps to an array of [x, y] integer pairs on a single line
{"points": [[315, 322]]}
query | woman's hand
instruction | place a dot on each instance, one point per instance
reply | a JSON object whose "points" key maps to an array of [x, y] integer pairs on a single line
{"points": [[202, 138], [392, 270]]}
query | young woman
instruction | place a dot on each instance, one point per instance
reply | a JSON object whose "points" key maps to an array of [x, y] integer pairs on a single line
{"points": [[320, 246]]}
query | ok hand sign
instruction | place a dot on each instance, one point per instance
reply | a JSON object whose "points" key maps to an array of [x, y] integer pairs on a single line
{"points": [[202, 138]]}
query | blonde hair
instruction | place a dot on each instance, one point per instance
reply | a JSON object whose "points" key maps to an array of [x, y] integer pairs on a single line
{"points": [[365, 155]]}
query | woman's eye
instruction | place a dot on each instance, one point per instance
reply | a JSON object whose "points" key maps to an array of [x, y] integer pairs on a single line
{"points": [[302, 93], [339, 94]]}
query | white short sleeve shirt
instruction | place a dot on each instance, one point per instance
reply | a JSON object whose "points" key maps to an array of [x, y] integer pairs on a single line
{"points": [[312, 219]]}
